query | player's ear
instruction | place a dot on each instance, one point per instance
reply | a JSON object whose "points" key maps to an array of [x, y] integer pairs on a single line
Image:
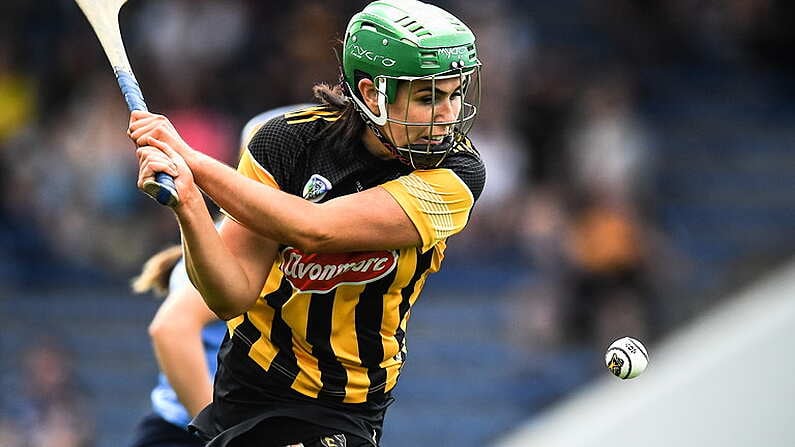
{"points": [[369, 94]]}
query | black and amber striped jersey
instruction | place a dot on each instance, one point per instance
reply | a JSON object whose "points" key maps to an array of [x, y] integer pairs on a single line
{"points": [[333, 326]]}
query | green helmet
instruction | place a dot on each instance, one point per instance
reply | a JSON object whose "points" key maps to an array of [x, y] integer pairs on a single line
{"points": [[391, 41]]}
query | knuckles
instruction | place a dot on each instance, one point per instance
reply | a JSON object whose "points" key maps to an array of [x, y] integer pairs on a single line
{"points": [[146, 153]]}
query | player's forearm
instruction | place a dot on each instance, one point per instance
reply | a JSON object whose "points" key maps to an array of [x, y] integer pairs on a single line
{"points": [[271, 213], [180, 355], [213, 269]]}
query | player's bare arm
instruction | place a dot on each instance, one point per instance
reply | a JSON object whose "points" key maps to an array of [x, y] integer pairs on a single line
{"points": [[371, 219], [227, 267], [177, 342]]}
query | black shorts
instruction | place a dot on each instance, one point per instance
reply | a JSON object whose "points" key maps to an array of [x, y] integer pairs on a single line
{"points": [[283, 427], [280, 431], [254, 409], [154, 431]]}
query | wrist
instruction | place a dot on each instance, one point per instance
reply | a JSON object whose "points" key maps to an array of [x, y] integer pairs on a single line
{"points": [[191, 202], [190, 155], [196, 161]]}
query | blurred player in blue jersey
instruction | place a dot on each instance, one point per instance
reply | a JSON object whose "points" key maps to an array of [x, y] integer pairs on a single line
{"points": [[186, 349]]}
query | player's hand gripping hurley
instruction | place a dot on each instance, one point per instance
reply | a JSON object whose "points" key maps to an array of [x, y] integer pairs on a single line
{"points": [[103, 15]]}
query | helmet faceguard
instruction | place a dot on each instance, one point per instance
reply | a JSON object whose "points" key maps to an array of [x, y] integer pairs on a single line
{"points": [[395, 48]]}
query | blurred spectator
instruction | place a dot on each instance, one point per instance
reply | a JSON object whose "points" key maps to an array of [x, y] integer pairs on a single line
{"points": [[309, 51], [550, 85], [79, 183], [594, 273], [611, 292], [645, 33], [193, 38], [536, 314], [582, 229], [609, 149], [768, 38], [52, 409], [17, 95], [208, 131]]}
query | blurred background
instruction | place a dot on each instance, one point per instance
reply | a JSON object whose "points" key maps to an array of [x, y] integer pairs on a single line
{"points": [[640, 171]]}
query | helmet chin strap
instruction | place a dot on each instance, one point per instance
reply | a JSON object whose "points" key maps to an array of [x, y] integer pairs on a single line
{"points": [[374, 121], [404, 154]]}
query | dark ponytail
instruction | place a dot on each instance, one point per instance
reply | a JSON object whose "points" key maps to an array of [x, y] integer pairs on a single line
{"points": [[345, 133]]}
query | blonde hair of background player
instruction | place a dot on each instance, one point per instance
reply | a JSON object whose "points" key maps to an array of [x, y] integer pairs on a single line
{"points": [[176, 328]]}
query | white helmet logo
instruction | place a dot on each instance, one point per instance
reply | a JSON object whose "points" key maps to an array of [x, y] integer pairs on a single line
{"points": [[362, 53]]}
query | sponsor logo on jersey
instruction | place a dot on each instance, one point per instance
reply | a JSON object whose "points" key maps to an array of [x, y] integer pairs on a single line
{"points": [[337, 440], [323, 272], [316, 188]]}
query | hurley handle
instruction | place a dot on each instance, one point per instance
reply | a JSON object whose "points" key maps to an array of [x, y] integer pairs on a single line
{"points": [[162, 188]]}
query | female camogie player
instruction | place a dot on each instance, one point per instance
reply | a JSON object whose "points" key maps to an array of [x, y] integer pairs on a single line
{"points": [[337, 215]]}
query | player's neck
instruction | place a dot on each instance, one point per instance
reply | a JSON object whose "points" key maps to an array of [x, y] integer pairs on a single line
{"points": [[375, 146]]}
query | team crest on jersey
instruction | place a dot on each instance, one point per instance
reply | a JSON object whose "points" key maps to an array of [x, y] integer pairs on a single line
{"points": [[320, 273], [316, 188]]}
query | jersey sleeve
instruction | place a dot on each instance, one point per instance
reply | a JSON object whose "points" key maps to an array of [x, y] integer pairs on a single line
{"points": [[437, 201], [465, 161], [252, 169]]}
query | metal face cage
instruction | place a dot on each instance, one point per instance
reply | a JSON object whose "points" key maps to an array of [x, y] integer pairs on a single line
{"points": [[432, 152]]}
